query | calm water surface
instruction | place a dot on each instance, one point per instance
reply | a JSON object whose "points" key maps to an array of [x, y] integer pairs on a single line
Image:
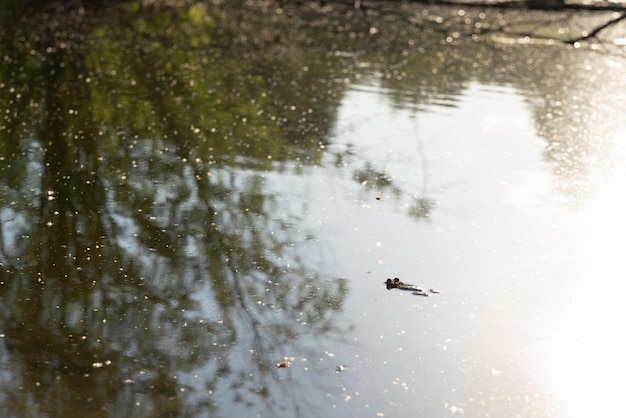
{"points": [[177, 222]]}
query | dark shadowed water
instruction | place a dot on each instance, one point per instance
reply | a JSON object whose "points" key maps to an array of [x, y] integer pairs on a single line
{"points": [[199, 205]]}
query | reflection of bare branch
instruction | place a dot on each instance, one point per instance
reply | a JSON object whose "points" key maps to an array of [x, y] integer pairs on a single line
{"points": [[528, 4], [535, 19], [595, 32]]}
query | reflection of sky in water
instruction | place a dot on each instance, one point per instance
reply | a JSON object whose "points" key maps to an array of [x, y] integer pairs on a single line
{"points": [[528, 279]]}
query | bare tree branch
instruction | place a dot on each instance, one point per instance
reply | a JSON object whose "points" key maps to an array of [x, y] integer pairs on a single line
{"points": [[531, 4], [599, 29]]}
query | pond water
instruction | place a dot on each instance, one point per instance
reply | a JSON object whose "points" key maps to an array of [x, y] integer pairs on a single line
{"points": [[199, 221]]}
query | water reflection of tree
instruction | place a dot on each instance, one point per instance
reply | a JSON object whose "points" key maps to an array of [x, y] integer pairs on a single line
{"points": [[381, 182], [138, 245], [129, 261], [442, 50]]}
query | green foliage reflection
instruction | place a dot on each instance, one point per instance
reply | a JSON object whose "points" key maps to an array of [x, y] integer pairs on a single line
{"points": [[138, 247]]}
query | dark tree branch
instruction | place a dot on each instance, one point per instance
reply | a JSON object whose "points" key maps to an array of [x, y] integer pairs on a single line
{"points": [[599, 29], [531, 5], [550, 12]]}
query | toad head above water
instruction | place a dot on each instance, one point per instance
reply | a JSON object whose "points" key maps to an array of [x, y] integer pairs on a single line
{"points": [[397, 284]]}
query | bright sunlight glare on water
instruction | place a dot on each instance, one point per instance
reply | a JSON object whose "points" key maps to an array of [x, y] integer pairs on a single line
{"points": [[532, 292], [583, 347]]}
